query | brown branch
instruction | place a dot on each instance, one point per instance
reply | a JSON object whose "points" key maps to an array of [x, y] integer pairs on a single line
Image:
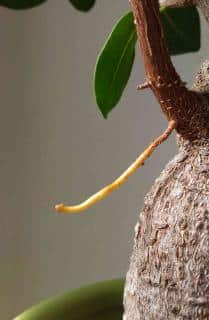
{"points": [[177, 102]]}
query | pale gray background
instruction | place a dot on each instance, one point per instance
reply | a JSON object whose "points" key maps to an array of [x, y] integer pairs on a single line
{"points": [[55, 146]]}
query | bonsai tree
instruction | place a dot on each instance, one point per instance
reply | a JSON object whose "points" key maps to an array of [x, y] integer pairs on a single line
{"points": [[169, 272], [168, 276]]}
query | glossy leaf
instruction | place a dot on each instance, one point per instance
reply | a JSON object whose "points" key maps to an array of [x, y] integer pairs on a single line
{"points": [[100, 301], [83, 5], [113, 68], [114, 65], [182, 29], [21, 4]]}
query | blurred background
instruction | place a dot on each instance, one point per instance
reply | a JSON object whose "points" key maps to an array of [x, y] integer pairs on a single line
{"points": [[56, 147]]}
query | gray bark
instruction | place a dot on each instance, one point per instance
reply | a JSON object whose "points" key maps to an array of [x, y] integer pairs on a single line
{"points": [[169, 271], [168, 276]]}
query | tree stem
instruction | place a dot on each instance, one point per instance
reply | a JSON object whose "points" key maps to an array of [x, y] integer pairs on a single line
{"points": [[177, 102]]}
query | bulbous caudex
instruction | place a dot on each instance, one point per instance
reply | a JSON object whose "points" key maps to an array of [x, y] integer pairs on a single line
{"points": [[168, 276]]}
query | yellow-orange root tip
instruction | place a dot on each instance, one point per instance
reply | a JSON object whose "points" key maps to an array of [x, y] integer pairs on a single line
{"points": [[59, 207]]}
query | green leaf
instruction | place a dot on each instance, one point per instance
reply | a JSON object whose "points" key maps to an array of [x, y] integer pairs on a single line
{"points": [[182, 29], [114, 64], [83, 5], [20, 4], [100, 301]]}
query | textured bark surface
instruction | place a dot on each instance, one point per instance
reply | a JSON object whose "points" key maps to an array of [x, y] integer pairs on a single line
{"points": [[178, 103], [169, 272], [204, 6]]}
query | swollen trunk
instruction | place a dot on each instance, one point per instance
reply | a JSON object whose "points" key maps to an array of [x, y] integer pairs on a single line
{"points": [[169, 271]]}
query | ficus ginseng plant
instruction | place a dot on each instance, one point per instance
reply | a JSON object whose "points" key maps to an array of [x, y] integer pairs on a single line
{"points": [[168, 276], [113, 69]]}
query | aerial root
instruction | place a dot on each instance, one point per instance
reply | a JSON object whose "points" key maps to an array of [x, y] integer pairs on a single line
{"points": [[103, 193]]}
